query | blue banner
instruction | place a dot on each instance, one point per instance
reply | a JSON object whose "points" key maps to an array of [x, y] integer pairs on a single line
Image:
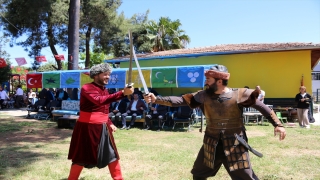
{"points": [[191, 77], [70, 80], [117, 79]]}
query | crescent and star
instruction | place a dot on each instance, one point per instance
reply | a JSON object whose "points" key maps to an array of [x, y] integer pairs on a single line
{"points": [[29, 81]]}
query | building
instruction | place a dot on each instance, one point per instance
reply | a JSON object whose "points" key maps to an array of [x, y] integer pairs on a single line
{"points": [[279, 68]]}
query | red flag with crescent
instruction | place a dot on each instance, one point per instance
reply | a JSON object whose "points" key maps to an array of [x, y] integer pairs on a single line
{"points": [[3, 63], [41, 59], [59, 57], [34, 80]]}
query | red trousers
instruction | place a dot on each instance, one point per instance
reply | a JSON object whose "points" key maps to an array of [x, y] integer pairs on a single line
{"points": [[114, 168]]}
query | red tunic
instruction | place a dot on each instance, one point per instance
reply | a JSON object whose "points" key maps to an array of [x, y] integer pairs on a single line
{"points": [[94, 108]]}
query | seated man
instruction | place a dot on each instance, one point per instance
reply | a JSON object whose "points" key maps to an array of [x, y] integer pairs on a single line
{"points": [[157, 112], [135, 108], [117, 108], [34, 99], [61, 95]]}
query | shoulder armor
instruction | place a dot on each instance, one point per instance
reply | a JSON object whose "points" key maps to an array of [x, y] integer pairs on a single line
{"points": [[247, 97]]}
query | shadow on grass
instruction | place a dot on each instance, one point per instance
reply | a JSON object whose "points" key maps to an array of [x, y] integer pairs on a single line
{"points": [[21, 139]]}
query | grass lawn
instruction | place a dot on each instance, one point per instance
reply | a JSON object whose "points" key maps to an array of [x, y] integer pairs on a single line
{"points": [[37, 150]]}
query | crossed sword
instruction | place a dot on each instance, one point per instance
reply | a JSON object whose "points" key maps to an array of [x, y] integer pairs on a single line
{"points": [[132, 53]]}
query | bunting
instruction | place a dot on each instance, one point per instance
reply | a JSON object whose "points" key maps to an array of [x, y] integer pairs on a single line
{"points": [[85, 78], [41, 59], [190, 76], [51, 80], [21, 61], [3, 63], [59, 57], [117, 79], [136, 78], [70, 80], [163, 77], [34, 80]]}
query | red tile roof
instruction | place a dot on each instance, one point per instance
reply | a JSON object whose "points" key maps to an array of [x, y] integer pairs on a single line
{"points": [[228, 48]]}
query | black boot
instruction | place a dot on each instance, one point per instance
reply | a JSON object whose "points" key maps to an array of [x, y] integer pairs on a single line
{"points": [[198, 178]]}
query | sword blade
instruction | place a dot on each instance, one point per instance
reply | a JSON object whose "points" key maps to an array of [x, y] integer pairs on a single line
{"points": [[130, 62], [144, 84]]}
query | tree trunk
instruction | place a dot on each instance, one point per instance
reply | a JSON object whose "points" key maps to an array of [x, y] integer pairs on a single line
{"points": [[73, 34], [53, 49], [88, 35]]}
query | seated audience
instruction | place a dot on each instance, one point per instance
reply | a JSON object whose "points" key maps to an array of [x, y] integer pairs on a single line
{"points": [[135, 108], [117, 108], [158, 112], [61, 95]]}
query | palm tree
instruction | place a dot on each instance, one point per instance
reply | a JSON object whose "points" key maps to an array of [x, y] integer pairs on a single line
{"points": [[166, 35]]}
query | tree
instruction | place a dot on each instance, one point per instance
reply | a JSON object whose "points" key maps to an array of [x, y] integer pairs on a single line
{"points": [[165, 35], [44, 23], [49, 66], [95, 58], [95, 15], [4, 71], [118, 43]]}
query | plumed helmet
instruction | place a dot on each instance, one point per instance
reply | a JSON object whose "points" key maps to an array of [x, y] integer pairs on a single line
{"points": [[100, 68]]}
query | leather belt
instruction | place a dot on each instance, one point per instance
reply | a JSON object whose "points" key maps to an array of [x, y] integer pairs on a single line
{"points": [[225, 123]]}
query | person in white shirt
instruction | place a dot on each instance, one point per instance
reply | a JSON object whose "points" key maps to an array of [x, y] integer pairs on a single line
{"points": [[19, 97], [261, 95], [3, 97], [135, 108]]}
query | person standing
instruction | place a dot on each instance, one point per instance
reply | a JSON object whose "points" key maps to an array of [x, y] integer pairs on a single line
{"points": [[19, 97], [3, 97], [92, 143], [225, 139], [262, 94], [303, 99]]}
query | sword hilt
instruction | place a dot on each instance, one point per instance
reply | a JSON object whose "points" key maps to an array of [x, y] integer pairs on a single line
{"points": [[129, 85]]}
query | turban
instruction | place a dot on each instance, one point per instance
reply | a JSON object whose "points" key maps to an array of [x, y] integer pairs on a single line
{"points": [[218, 72]]}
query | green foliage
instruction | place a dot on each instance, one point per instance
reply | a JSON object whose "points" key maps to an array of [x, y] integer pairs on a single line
{"points": [[49, 66], [165, 35], [95, 58], [36, 20], [4, 71]]}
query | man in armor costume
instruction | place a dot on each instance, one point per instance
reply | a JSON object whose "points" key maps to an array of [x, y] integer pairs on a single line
{"points": [[92, 143], [225, 140]]}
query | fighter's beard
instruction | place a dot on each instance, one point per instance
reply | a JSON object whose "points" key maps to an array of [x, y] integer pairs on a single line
{"points": [[211, 88]]}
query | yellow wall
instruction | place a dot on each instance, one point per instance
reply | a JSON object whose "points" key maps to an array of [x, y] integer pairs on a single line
{"points": [[278, 73]]}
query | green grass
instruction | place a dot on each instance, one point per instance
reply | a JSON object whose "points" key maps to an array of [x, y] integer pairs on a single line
{"points": [[150, 155]]}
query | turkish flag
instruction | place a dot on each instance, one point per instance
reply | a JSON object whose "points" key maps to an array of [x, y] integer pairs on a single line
{"points": [[59, 57], [3, 63], [41, 59], [34, 80], [21, 61]]}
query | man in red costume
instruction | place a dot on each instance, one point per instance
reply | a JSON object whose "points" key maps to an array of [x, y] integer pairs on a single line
{"points": [[92, 143], [225, 139]]}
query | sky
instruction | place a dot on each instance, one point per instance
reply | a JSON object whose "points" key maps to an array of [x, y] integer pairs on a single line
{"points": [[216, 22]]}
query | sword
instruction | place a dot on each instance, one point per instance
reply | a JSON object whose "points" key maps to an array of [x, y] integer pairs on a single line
{"points": [[144, 84], [247, 146], [130, 84]]}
